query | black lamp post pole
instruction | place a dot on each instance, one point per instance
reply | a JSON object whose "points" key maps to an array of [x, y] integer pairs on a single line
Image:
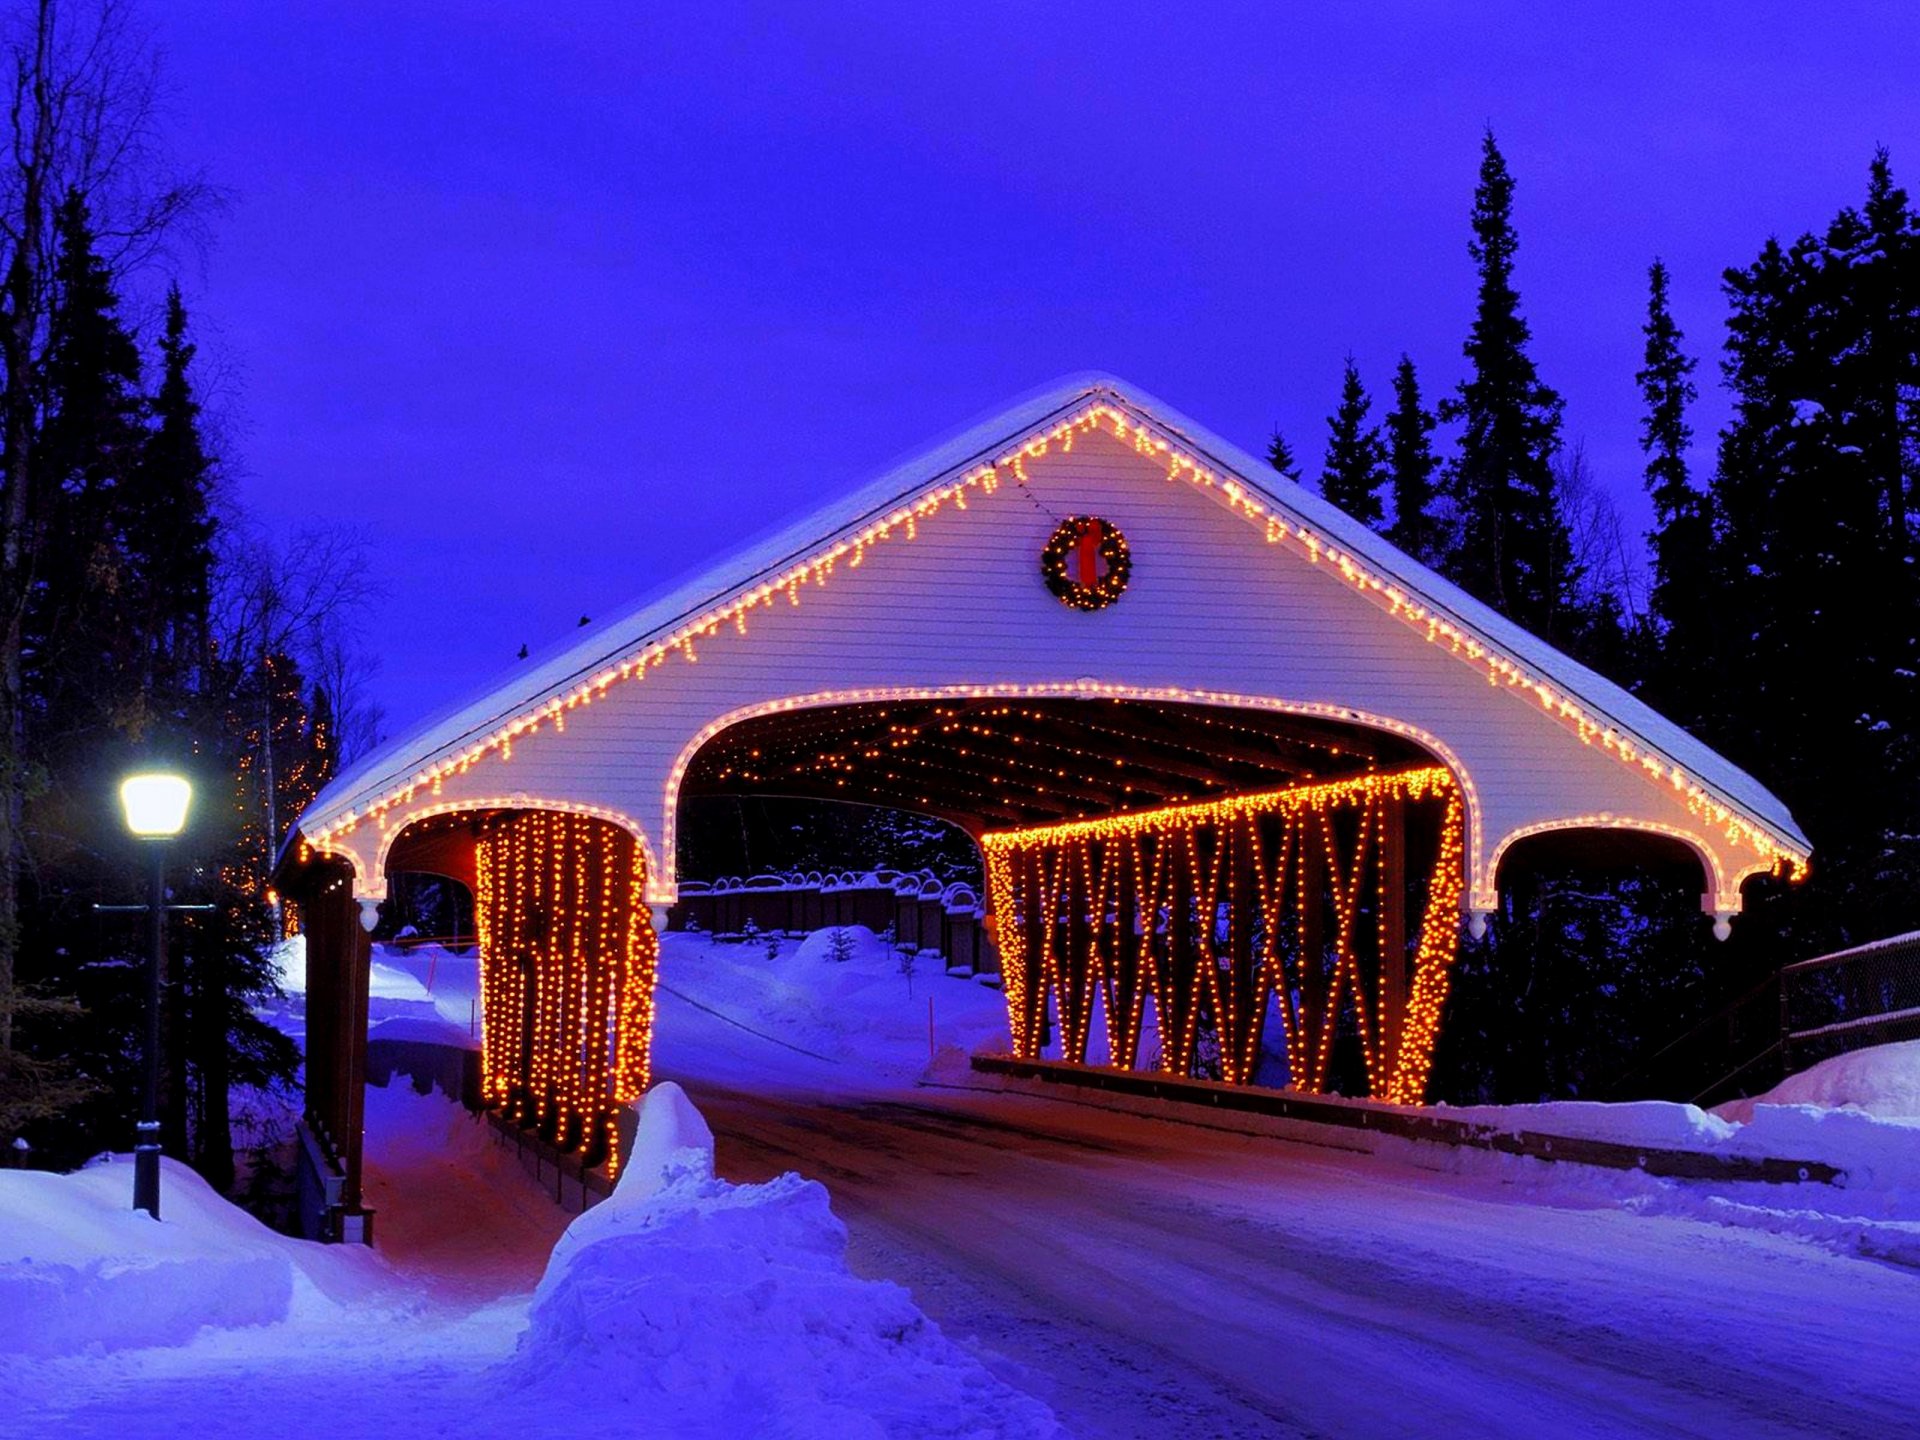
{"points": [[146, 1150]]}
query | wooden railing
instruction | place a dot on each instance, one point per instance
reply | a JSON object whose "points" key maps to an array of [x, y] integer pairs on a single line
{"points": [[922, 913], [1804, 1013]]}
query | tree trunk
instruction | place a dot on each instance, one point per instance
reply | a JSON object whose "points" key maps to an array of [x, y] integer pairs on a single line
{"points": [[33, 151]]}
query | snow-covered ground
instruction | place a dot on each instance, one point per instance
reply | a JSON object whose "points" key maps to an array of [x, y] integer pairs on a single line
{"points": [[1121, 1276]]}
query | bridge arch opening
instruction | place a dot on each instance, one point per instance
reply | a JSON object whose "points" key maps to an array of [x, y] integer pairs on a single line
{"points": [[565, 952], [1598, 950], [1258, 893]]}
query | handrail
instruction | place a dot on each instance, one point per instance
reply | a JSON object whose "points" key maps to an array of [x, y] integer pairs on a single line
{"points": [[1891, 945], [420, 942], [1645, 1066]]}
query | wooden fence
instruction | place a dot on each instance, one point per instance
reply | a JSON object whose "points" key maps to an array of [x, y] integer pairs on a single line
{"points": [[934, 919], [1803, 1013]]}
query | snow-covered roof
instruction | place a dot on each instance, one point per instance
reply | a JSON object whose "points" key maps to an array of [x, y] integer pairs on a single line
{"points": [[531, 684]]}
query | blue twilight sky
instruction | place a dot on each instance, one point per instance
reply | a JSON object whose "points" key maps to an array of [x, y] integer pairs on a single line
{"points": [[560, 300]]}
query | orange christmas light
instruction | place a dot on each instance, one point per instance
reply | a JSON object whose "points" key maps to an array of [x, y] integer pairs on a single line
{"points": [[1280, 527], [1133, 893]]}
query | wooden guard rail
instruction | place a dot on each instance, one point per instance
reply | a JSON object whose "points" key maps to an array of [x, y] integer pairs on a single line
{"points": [[1801, 1014], [1411, 1124]]}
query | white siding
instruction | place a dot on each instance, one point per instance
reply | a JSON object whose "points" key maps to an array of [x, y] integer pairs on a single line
{"points": [[1211, 607]]}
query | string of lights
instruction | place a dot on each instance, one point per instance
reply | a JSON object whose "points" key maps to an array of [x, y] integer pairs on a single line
{"points": [[1186, 906], [1279, 527], [567, 963]]}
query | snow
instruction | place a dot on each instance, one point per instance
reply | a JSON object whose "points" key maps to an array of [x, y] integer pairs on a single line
{"points": [[426, 983], [82, 1271], [723, 1310], [710, 1307], [1658, 1124], [805, 1243], [1881, 1080], [862, 1014]]}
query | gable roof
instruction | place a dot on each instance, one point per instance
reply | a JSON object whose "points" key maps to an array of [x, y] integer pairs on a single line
{"points": [[1628, 724]]}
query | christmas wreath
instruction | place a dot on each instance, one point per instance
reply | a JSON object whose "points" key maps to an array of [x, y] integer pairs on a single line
{"points": [[1086, 563]]}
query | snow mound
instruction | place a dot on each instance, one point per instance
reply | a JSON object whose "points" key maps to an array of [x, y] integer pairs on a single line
{"points": [[1882, 1080], [671, 1140], [720, 1310], [408, 1129], [81, 1270]]}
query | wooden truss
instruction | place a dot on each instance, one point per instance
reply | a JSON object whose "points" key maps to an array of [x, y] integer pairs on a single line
{"points": [[1288, 905]]}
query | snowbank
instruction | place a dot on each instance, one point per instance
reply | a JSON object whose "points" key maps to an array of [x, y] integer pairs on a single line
{"points": [[1859, 1111], [406, 1128], [1882, 1080], [426, 1029], [82, 1270], [718, 1310]]}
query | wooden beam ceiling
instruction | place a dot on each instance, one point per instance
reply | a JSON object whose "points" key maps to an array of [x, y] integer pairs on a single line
{"points": [[984, 762]]}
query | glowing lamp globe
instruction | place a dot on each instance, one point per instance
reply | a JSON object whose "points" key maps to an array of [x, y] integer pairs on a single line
{"points": [[155, 804]]}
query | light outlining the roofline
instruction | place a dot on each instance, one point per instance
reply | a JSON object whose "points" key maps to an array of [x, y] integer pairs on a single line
{"points": [[1721, 899], [1281, 528]]}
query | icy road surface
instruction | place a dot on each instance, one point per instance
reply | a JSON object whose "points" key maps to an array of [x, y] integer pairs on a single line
{"points": [[1148, 1279]]}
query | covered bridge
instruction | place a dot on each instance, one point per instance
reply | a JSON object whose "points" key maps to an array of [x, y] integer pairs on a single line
{"points": [[1230, 757]]}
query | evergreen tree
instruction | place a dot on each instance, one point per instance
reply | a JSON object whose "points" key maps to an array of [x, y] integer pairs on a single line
{"points": [[1410, 459], [77, 666], [169, 532], [123, 670], [1682, 538], [1809, 650], [81, 621], [1512, 549], [1355, 471], [1280, 456]]}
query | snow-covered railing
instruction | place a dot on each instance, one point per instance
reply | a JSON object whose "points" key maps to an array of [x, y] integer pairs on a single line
{"points": [[917, 910], [1805, 1012], [1864, 995]]}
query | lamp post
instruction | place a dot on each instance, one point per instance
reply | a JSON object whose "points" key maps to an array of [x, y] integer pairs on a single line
{"points": [[156, 811]]}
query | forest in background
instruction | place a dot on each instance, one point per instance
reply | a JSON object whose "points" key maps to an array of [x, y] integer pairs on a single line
{"points": [[143, 620], [1776, 619]]}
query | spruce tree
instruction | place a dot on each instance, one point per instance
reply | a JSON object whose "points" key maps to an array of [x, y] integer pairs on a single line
{"points": [[169, 530], [1808, 675], [1354, 472], [1512, 549], [82, 663], [124, 669], [1280, 456], [82, 700], [1410, 460], [1682, 538]]}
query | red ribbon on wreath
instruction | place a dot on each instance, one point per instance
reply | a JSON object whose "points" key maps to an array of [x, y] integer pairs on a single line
{"points": [[1086, 563]]}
